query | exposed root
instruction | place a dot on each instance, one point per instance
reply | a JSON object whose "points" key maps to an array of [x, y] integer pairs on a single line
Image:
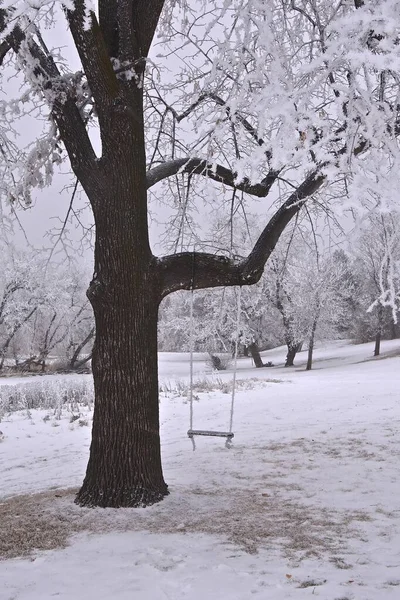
{"points": [[138, 497]]}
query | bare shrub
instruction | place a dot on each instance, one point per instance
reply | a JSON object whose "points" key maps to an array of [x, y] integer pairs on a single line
{"points": [[181, 388], [63, 365], [47, 393], [219, 362], [207, 385]]}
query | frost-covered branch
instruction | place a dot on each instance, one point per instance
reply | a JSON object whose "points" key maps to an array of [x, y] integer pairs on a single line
{"points": [[199, 270], [198, 166]]}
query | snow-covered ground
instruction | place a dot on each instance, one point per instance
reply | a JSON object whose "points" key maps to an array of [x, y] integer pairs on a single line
{"points": [[305, 504]]}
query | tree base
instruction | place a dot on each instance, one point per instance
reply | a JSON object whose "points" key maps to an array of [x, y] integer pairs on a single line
{"points": [[131, 498]]}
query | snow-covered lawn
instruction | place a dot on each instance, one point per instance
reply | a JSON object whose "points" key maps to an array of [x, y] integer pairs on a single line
{"points": [[306, 504]]}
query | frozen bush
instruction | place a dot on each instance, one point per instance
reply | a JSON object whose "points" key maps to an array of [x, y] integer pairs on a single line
{"points": [[47, 393]]}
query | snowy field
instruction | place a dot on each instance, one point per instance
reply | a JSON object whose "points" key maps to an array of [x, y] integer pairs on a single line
{"points": [[306, 504]]}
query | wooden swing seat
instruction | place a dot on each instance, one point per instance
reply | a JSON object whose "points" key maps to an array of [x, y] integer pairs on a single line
{"points": [[225, 434]]}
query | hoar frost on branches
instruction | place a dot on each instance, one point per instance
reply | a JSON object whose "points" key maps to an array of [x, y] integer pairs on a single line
{"points": [[318, 84], [376, 250]]}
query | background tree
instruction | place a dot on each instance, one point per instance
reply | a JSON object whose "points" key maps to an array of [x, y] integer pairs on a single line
{"points": [[309, 288], [63, 324], [323, 290], [302, 96], [376, 249], [21, 292], [43, 311], [215, 322]]}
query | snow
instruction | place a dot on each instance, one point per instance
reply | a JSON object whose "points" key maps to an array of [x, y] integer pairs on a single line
{"points": [[151, 566], [306, 503]]}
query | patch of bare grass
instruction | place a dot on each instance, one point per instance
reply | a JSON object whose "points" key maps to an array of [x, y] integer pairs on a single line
{"points": [[25, 525], [206, 385], [247, 518], [337, 448], [311, 583]]}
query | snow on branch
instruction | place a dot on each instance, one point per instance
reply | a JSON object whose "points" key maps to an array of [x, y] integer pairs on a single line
{"points": [[198, 166], [196, 270]]}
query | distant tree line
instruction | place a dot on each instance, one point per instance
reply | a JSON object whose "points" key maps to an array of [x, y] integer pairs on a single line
{"points": [[306, 294]]}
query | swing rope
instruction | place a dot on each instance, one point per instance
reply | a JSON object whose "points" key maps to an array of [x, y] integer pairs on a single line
{"points": [[191, 342], [191, 348], [239, 310], [192, 432]]}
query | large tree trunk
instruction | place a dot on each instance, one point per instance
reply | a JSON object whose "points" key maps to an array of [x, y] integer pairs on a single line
{"points": [[255, 355], [124, 467], [312, 338], [311, 346], [378, 335], [125, 463], [293, 349]]}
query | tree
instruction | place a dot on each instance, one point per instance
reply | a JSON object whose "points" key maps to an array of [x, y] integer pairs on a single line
{"points": [[324, 291], [295, 94], [312, 288], [63, 323], [42, 306], [376, 249], [282, 291], [215, 324], [20, 295]]}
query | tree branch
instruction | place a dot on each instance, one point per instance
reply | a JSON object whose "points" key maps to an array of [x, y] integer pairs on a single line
{"points": [[254, 264], [221, 102], [146, 14], [63, 109], [108, 26], [93, 54], [74, 362], [199, 166], [197, 270], [13, 40]]}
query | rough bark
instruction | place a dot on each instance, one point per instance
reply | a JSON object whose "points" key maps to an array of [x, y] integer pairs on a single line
{"points": [[124, 467], [293, 349], [75, 363], [255, 355], [378, 335], [311, 346]]}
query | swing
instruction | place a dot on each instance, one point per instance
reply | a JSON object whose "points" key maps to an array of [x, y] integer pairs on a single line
{"points": [[228, 435]]}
